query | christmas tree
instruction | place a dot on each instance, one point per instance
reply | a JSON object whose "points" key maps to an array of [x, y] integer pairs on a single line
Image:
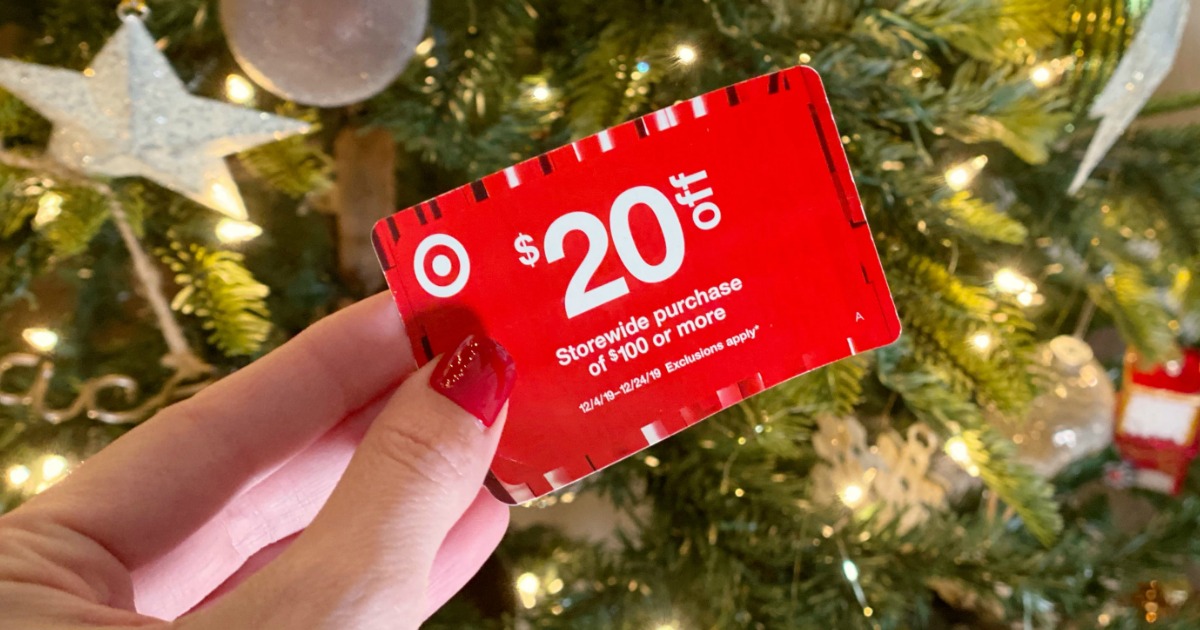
{"points": [[963, 476]]}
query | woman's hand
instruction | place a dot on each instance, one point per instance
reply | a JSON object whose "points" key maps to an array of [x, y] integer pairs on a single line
{"points": [[198, 509]]}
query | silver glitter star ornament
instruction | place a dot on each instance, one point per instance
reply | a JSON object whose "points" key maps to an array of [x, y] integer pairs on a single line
{"points": [[1142, 69], [130, 115]]}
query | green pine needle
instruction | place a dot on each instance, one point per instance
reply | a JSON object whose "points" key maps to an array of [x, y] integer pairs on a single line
{"points": [[218, 289], [294, 166]]}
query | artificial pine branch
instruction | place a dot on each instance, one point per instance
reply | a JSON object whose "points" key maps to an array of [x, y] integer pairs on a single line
{"points": [[216, 287], [293, 166]]}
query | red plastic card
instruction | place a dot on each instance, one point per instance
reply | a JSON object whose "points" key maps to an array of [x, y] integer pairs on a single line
{"points": [[648, 276]]}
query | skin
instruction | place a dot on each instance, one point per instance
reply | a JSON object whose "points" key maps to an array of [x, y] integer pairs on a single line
{"points": [[324, 486]]}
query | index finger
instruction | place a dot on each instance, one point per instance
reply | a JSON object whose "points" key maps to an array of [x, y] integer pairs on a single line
{"points": [[151, 488]]}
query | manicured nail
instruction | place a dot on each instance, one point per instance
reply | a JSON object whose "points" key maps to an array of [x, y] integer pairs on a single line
{"points": [[478, 377]]}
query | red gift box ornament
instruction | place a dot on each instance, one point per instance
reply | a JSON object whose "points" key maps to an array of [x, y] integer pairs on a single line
{"points": [[1157, 418]]}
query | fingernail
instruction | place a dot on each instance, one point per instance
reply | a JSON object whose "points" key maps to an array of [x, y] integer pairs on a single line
{"points": [[478, 377]]}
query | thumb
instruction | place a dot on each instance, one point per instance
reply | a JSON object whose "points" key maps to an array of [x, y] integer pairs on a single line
{"points": [[366, 559]]}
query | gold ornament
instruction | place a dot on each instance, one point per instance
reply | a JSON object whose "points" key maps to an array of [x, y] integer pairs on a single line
{"points": [[189, 378]]}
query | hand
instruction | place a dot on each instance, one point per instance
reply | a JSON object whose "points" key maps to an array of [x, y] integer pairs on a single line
{"points": [[187, 508]]}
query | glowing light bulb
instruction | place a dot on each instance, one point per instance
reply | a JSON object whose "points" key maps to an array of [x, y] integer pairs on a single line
{"points": [[528, 584], [666, 626], [850, 570], [540, 93], [1042, 75], [960, 176], [53, 467], [230, 231], [42, 339], [982, 342], [1010, 281], [527, 589], [18, 475], [554, 586], [238, 89], [642, 67], [1025, 298], [852, 495], [425, 46], [686, 54], [957, 449], [49, 207], [652, 461]]}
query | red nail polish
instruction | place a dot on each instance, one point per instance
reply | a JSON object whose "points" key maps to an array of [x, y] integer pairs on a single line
{"points": [[478, 377]]}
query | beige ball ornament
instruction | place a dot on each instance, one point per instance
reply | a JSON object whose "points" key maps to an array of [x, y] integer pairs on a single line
{"points": [[324, 53]]}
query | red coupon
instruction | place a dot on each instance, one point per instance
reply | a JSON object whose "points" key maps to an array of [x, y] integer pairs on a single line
{"points": [[648, 276]]}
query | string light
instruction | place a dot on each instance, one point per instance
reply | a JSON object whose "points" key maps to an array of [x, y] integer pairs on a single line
{"points": [[554, 586], [686, 54], [18, 475], [239, 90], [528, 585], [958, 451], [1042, 75], [852, 495], [48, 471], [231, 231], [424, 47], [540, 93], [53, 467], [642, 67], [49, 207], [850, 570], [1011, 281], [982, 341], [42, 339], [960, 176], [956, 448]]}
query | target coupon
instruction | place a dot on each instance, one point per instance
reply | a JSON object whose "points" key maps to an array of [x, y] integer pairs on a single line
{"points": [[648, 276]]}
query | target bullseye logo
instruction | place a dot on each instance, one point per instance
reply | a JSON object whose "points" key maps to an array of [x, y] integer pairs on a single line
{"points": [[447, 259]]}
